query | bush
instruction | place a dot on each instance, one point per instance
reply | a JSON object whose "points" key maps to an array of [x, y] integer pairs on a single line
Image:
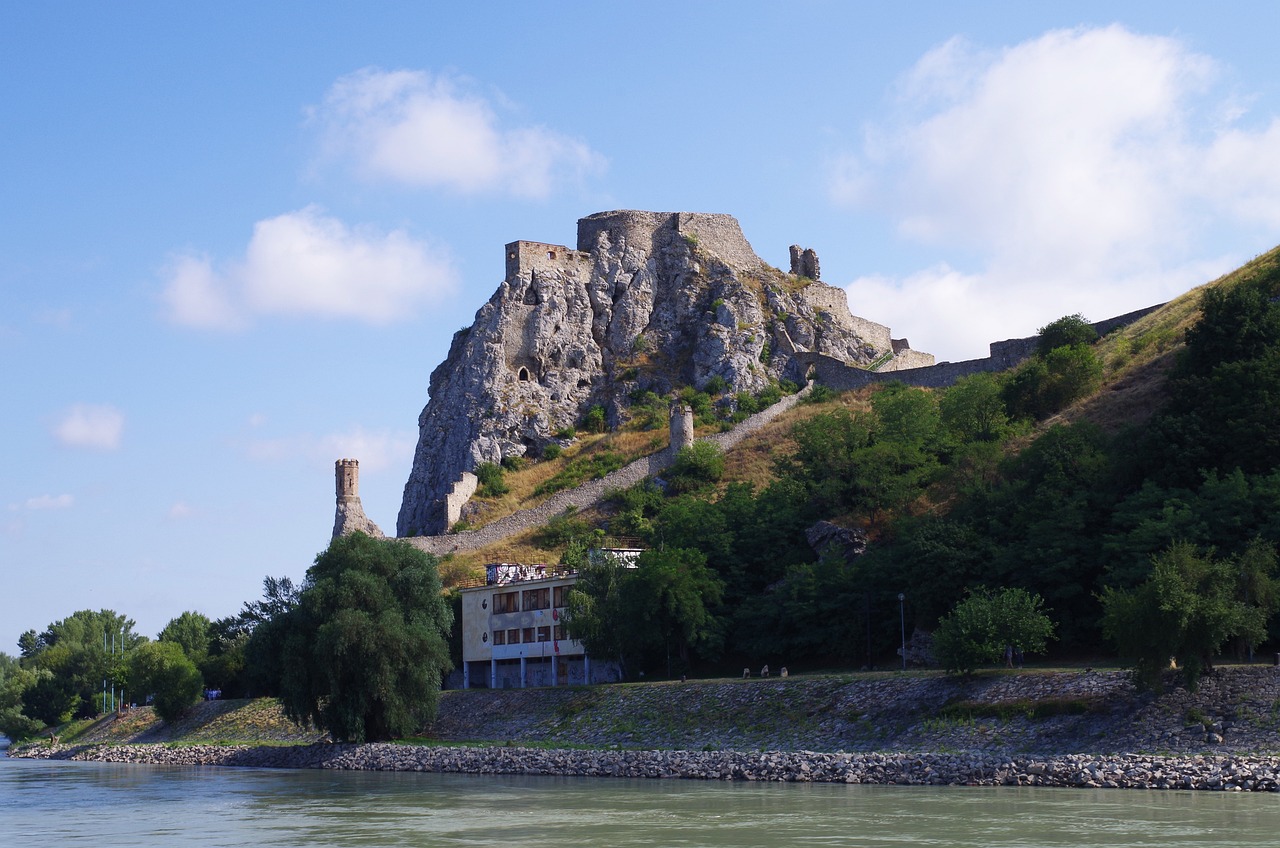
{"points": [[163, 670], [978, 630], [696, 466], [594, 421], [491, 482], [1065, 332], [562, 529], [513, 462], [551, 450], [715, 385]]}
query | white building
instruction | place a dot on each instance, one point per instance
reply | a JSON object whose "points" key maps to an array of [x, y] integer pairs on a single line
{"points": [[513, 631]]}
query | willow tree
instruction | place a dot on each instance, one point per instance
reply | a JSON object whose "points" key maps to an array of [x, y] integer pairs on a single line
{"points": [[365, 649]]}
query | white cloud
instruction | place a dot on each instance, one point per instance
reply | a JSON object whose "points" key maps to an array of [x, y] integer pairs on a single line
{"points": [[180, 510], [90, 426], [308, 263], [43, 502], [1076, 171], [376, 451], [434, 131]]}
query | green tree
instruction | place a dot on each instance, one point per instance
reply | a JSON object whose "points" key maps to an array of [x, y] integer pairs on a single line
{"points": [[973, 409], [1067, 331], [80, 651], [367, 646], [672, 597], [595, 608], [697, 466], [193, 632], [14, 682], [1189, 607], [492, 481], [164, 671], [980, 628]]}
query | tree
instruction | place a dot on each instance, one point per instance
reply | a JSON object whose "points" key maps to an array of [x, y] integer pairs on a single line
{"points": [[192, 631], [80, 651], [366, 648], [164, 671], [973, 409], [14, 681], [697, 466], [1067, 331], [594, 614], [672, 597], [1189, 607], [980, 628]]}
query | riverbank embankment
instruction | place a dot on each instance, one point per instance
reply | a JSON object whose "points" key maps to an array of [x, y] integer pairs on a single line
{"points": [[1037, 728], [1231, 773]]}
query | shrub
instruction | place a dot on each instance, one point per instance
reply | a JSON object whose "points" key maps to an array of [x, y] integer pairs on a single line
{"points": [[696, 466], [561, 529], [551, 450], [978, 629], [513, 462], [594, 421], [715, 385], [491, 482]]}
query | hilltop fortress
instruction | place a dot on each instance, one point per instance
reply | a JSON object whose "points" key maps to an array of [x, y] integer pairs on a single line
{"points": [[645, 304]]}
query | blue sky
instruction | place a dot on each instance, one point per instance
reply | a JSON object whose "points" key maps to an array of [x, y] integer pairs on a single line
{"points": [[236, 238]]}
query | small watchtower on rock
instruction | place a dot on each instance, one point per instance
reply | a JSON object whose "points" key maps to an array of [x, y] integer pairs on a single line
{"points": [[681, 427], [349, 516]]}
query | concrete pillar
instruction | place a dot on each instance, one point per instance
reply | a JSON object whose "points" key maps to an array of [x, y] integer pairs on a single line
{"points": [[555, 670], [466, 675], [493, 674], [586, 669], [524, 672]]}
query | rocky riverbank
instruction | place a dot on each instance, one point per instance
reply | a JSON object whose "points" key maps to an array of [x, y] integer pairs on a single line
{"points": [[1256, 774], [1036, 728]]}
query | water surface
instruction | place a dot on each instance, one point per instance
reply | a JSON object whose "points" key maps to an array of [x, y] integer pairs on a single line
{"points": [[63, 803]]}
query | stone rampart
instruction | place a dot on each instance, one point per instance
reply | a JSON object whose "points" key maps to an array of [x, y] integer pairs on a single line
{"points": [[592, 492], [718, 234], [1004, 355]]}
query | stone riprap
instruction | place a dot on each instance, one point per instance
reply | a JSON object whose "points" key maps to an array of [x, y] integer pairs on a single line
{"points": [[1225, 736], [1132, 771]]}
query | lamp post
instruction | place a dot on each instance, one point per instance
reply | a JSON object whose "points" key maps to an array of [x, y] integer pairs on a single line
{"points": [[902, 622]]}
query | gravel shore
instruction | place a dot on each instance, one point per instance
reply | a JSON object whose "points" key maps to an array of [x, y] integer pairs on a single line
{"points": [[1015, 729], [1226, 773]]}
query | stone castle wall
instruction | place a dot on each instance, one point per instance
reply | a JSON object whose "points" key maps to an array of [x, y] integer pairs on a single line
{"points": [[718, 234], [1004, 355]]}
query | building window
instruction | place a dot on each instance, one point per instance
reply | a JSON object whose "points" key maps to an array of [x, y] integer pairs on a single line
{"points": [[506, 602], [537, 599], [557, 633], [544, 634], [526, 635], [560, 596], [499, 637], [513, 636]]}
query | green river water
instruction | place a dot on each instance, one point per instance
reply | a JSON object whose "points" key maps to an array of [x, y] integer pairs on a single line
{"points": [[69, 804]]}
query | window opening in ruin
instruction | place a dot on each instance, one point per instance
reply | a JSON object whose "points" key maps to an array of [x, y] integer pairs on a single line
{"points": [[551, 254], [524, 375]]}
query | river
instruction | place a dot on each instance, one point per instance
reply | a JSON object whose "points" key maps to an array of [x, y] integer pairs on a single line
{"points": [[69, 803]]}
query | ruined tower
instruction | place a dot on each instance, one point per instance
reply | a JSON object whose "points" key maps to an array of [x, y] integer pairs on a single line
{"points": [[349, 516], [681, 427]]}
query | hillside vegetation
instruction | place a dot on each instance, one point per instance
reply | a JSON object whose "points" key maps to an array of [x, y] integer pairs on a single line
{"points": [[1071, 477]]}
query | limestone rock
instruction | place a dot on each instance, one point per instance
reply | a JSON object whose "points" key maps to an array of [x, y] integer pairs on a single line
{"points": [[647, 301], [831, 539]]}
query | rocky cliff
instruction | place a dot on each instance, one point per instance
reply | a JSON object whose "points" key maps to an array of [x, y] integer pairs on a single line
{"points": [[647, 301]]}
